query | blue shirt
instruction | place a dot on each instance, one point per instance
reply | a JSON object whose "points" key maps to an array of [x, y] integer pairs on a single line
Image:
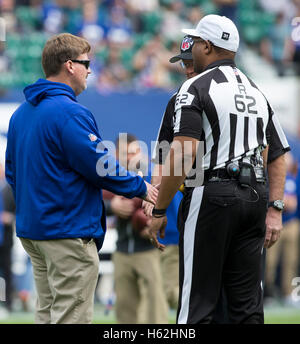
{"points": [[57, 165]]}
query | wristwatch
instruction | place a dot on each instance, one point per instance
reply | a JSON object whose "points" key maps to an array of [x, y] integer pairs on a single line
{"points": [[278, 204]]}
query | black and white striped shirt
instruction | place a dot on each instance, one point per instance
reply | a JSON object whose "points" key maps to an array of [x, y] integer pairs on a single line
{"points": [[223, 108], [165, 133]]}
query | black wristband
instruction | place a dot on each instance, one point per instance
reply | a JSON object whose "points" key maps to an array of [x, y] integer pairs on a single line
{"points": [[159, 212]]}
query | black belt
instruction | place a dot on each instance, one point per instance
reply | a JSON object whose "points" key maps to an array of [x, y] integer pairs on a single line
{"points": [[222, 174], [216, 175]]}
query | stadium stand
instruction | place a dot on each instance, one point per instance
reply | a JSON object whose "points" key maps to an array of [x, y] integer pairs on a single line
{"points": [[111, 22]]}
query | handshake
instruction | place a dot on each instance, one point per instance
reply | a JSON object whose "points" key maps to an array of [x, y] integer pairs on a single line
{"points": [[154, 229], [156, 223], [151, 195]]}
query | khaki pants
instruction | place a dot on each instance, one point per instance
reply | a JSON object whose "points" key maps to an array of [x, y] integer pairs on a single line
{"points": [[170, 271], [137, 276], [65, 273], [287, 245]]}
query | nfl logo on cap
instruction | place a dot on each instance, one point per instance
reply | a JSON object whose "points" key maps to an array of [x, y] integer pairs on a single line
{"points": [[186, 43]]}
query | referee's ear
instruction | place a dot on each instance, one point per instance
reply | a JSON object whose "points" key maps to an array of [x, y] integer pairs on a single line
{"points": [[208, 48]]}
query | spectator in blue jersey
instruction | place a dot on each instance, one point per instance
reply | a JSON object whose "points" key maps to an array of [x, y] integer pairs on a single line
{"points": [[57, 166], [288, 246]]}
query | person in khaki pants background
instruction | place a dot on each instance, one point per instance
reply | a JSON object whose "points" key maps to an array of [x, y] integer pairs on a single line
{"points": [[288, 246], [139, 289], [57, 165]]}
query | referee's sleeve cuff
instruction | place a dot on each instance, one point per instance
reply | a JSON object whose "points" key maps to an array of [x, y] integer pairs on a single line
{"points": [[277, 154], [193, 135]]}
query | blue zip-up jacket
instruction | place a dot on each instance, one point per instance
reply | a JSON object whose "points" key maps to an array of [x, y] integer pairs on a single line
{"points": [[57, 166]]}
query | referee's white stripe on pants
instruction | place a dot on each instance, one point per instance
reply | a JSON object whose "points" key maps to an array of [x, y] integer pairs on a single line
{"points": [[188, 252]]}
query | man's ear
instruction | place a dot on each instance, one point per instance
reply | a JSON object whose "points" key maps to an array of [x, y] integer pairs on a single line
{"points": [[69, 67], [208, 47]]}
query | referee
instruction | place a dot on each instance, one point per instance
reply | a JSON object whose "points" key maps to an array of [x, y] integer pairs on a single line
{"points": [[164, 139], [225, 222]]}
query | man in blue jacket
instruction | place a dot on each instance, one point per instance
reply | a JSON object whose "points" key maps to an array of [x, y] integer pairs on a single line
{"points": [[57, 165]]}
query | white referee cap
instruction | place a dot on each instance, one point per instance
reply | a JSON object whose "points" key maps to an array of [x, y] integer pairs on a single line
{"points": [[221, 31]]}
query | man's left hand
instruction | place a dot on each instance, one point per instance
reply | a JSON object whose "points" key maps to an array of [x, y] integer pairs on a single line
{"points": [[157, 225], [273, 227]]}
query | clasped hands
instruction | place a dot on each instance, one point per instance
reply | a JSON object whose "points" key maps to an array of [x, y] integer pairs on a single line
{"points": [[157, 225]]}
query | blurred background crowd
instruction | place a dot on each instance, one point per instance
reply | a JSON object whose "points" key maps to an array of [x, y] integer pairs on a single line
{"points": [[133, 40]]}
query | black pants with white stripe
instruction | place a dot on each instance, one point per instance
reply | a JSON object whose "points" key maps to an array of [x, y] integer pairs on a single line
{"points": [[222, 231]]}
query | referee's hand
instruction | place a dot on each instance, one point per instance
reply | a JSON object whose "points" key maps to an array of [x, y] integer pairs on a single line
{"points": [[273, 227], [157, 226]]}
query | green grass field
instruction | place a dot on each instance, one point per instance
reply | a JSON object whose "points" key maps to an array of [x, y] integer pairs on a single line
{"points": [[276, 315]]}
